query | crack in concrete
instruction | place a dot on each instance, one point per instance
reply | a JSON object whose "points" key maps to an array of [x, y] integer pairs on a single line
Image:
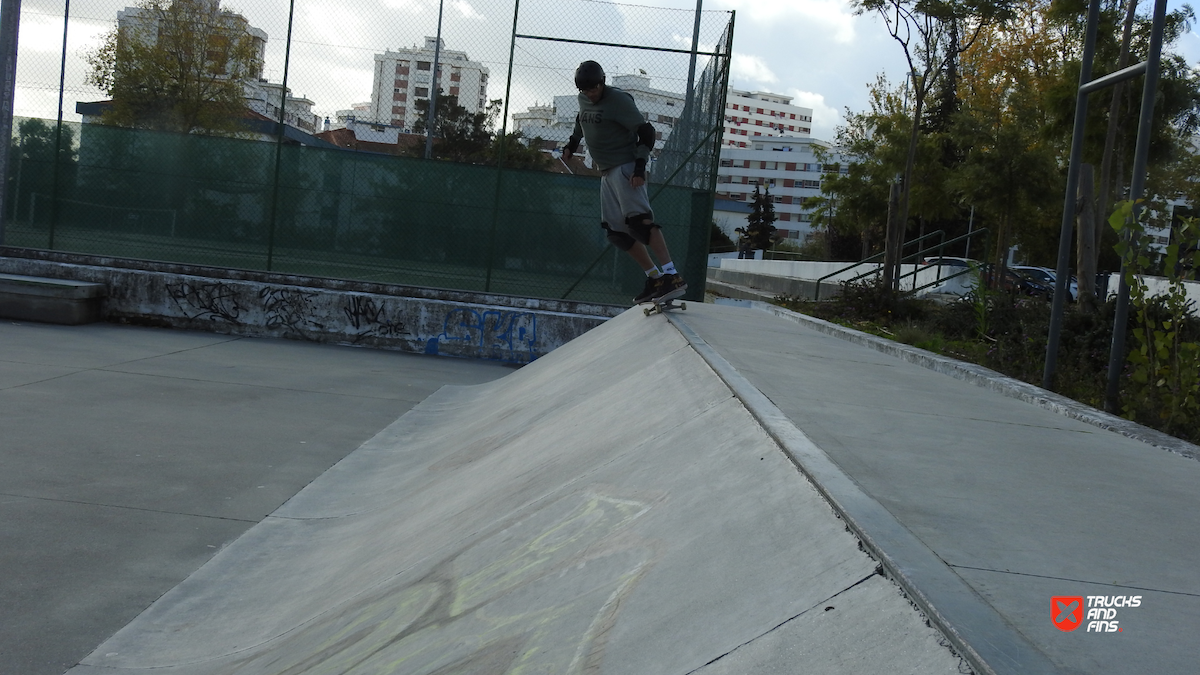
{"points": [[1072, 580], [878, 572], [128, 508]]}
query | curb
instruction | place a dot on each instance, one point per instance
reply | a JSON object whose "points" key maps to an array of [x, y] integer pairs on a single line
{"points": [[990, 379]]}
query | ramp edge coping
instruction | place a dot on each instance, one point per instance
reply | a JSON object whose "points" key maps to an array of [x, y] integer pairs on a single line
{"points": [[980, 635]]}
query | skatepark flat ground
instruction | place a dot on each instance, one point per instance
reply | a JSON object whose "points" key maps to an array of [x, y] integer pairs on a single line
{"points": [[653, 497], [131, 455]]}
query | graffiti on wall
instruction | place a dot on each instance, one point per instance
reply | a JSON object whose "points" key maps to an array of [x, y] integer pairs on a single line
{"points": [[499, 335], [370, 319], [289, 308], [215, 301]]}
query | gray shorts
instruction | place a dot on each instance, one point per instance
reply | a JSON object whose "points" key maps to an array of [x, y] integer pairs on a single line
{"points": [[620, 200]]}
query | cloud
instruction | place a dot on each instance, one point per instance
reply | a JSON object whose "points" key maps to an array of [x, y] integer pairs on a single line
{"points": [[825, 117], [466, 10], [42, 33], [832, 19], [752, 68]]}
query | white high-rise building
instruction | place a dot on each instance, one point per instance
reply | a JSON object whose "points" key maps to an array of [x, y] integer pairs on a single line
{"points": [[751, 114], [404, 76], [787, 166]]}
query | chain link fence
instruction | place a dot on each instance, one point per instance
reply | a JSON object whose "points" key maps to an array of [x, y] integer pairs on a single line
{"points": [[170, 147]]}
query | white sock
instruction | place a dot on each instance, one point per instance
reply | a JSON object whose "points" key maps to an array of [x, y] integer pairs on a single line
{"points": [[669, 268], [653, 273]]}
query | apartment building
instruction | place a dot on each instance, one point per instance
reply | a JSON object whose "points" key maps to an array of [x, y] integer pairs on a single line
{"points": [[262, 97], [787, 166], [405, 76], [753, 115]]}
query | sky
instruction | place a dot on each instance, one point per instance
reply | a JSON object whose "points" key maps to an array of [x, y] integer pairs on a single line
{"points": [[816, 51]]}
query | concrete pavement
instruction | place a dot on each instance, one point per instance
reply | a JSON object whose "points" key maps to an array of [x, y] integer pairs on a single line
{"points": [[652, 497], [130, 456], [1021, 503], [610, 508]]}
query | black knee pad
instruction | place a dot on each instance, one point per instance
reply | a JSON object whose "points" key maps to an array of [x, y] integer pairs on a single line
{"points": [[640, 226], [619, 239]]}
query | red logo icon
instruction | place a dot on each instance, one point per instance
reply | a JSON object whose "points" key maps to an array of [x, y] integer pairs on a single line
{"points": [[1066, 612]]}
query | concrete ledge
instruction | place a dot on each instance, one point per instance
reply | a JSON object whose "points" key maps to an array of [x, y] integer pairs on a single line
{"points": [[421, 320], [729, 290], [50, 300], [990, 379], [771, 286]]}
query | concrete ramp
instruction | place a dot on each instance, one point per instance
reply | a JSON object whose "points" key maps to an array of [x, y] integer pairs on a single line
{"points": [[610, 508]]}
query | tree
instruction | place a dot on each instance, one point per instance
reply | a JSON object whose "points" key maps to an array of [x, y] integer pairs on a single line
{"points": [[519, 153], [930, 33], [33, 156], [875, 143], [1009, 173], [760, 224], [177, 66], [459, 134]]}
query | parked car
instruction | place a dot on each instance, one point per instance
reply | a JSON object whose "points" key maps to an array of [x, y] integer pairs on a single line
{"points": [[951, 261], [1016, 281], [1047, 277]]}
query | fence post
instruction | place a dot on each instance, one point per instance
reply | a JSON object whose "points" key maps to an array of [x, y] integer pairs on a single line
{"points": [[10, 19], [1141, 154], [287, 59], [512, 48]]}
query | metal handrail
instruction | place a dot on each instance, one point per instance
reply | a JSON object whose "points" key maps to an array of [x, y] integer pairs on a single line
{"points": [[939, 278], [939, 247], [817, 292]]}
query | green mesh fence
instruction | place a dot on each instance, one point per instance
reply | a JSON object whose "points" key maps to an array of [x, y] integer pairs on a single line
{"points": [[359, 201]]}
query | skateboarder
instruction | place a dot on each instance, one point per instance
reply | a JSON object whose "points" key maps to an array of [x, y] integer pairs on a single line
{"points": [[620, 140]]}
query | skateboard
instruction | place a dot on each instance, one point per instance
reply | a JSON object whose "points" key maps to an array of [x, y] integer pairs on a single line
{"points": [[660, 305]]}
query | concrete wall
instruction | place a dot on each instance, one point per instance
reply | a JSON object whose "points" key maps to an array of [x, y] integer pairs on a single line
{"points": [[1159, 286], [453, 323], [809, 270]]}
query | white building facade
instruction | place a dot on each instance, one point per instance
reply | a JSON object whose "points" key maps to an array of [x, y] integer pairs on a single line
{"points": [[752, 115], [264, 98], [405, 76], [787, 167]]}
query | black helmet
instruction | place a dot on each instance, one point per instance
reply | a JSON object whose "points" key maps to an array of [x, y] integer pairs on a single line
{"points": [[588, 75]]}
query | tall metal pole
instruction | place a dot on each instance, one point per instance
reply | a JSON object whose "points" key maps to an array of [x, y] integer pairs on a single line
{"points": [[431, 116], [691, 81], [287, 60], [10, 18], [503, 140], [1116, 357], [970, 229], [62, 82], [1068, 217]]}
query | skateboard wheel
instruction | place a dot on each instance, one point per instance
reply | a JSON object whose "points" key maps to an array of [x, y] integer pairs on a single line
{"points": [[683, 305], [647, 311]]}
